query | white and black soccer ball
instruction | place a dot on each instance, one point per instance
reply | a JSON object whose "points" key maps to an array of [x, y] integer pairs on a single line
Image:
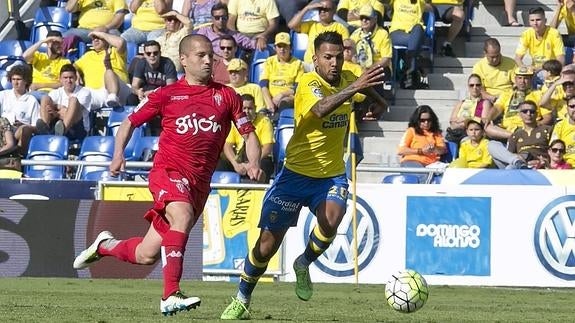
{"points": [[406, 291]]}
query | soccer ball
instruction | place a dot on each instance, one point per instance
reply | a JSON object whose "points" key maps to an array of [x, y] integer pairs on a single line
{"points": [[406, 291]]}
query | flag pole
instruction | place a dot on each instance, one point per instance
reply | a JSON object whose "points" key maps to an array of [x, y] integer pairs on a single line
{"points": [[353, 132]]}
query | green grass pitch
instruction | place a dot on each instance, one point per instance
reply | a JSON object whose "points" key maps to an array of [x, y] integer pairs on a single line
{"points": [[103, 300]]}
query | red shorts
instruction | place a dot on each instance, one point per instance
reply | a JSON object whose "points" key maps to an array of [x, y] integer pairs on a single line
{"points": [[171, 186]]}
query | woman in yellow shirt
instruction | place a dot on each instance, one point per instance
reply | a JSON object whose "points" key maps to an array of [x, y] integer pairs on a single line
{"points": [[422, 143]]}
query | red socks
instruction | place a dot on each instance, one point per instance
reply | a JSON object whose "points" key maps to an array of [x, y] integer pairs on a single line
{"points": [[173, 248], [125, 250]]}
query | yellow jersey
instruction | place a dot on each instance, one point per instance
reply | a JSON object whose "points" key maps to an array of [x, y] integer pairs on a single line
{"points": [[254, 90], [253, 16], [496, 79], [569, 18], [46, 70], [378, 40], [549, 46], [565, 131], [281, 76], [264, 131], [317, 145], [146, 17], [508, 102], [355, 5], [92, 67], [406, 15], [95, 13], [313, 29], [471, 156]]}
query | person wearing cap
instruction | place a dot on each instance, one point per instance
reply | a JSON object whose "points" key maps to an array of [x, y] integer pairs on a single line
{"points": [[506, 108], [349, 10], [177, 26], [473, 152], [496, 71], [45, 66], [372, 42], [565, 130], [219, 28], [238, 69], [280, 75], [229, 47], [541, 41], [103, 70], [527, 146], [326, 10]]}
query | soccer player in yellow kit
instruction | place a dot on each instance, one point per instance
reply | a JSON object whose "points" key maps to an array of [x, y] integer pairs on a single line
{"points": [[314, 172]]}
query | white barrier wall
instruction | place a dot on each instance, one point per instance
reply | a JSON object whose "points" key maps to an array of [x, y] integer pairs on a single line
{"points": [[462, 235]]}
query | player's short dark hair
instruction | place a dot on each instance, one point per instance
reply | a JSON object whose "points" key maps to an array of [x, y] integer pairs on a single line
{"points": [[491, 42], [537, 11], [230, 38], [23, 71], [553, 66], [67, 68], [184, 47], [330, 37], [248, 97], [219, 6], [151, 43]]}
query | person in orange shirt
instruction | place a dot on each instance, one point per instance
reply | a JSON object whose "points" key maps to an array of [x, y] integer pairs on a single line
{"points": [[422, 143]]}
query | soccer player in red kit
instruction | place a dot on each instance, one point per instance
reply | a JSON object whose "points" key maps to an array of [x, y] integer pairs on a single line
{"points": [[196, 117]]}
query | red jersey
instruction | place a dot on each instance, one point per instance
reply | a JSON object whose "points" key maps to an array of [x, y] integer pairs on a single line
{"points": [[196, 120]]}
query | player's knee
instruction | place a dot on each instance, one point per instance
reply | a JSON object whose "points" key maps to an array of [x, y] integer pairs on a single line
{"points": [[146, 259]]}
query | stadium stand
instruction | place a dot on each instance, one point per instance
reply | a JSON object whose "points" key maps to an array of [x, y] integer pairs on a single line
{"points": [[401, 179], [47, 147], [221, 177], [95, 148]]}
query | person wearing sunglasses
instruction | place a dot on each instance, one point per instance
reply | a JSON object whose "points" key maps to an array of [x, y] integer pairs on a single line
{"points": [[257, 19], [229, 47], [556, 155], [219, 28], [372, 42], [422, 143], [312, 28], [565, 130], [466, 109], [177, 26], [527, 146]]}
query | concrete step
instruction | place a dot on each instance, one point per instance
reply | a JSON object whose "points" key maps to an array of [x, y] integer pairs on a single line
{"points": [[447, 81], [404, 112], [474, 49], [377, 128]]}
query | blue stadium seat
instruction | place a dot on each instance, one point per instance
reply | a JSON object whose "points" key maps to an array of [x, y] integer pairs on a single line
{"points": [[298, 44], [144, 143], [283, 134], [401, 179], [127, 21], [131, 52], [286, 114], [452, 152], [5, 84], [40, 31], [53, 15], [116, 117], [11, 52], [131, 145], [102, 175], [95, 148], [47, 147], [222, 177], [256, 70]]}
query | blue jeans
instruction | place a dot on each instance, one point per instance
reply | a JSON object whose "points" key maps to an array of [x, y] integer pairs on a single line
{"points": [[139, 36], [412, 40]]}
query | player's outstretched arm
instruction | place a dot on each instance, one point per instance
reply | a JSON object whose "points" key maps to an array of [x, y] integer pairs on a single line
{"points": [[122, 136], [372, 76], [253, 152]]}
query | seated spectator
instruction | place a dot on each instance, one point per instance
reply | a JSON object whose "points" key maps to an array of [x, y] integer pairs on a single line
{"points": [[553, 98], [103, 70], [147, 23], [348, 10], [496, 71], [372, 42], [464, 110], [511, 13], [108, 16], [503, 118], [45, 66], [219, 29], [527, 146], [20, 107], [199, 11], [151, 73], [239, 81], [551, 73], [8, 145], [473, 152], [565, 10], [422, 144], [313, 28], [220, 69], [565, 130], [280, 76], [449, 12], [556, 153], [541, 41], [407, 29], [235, 158], [66, 110], [349, 56], [177, 26], [257, 19]]}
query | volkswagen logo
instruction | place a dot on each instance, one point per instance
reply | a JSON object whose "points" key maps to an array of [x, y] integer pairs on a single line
{"points": [[338, 259], [554, 237]]}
